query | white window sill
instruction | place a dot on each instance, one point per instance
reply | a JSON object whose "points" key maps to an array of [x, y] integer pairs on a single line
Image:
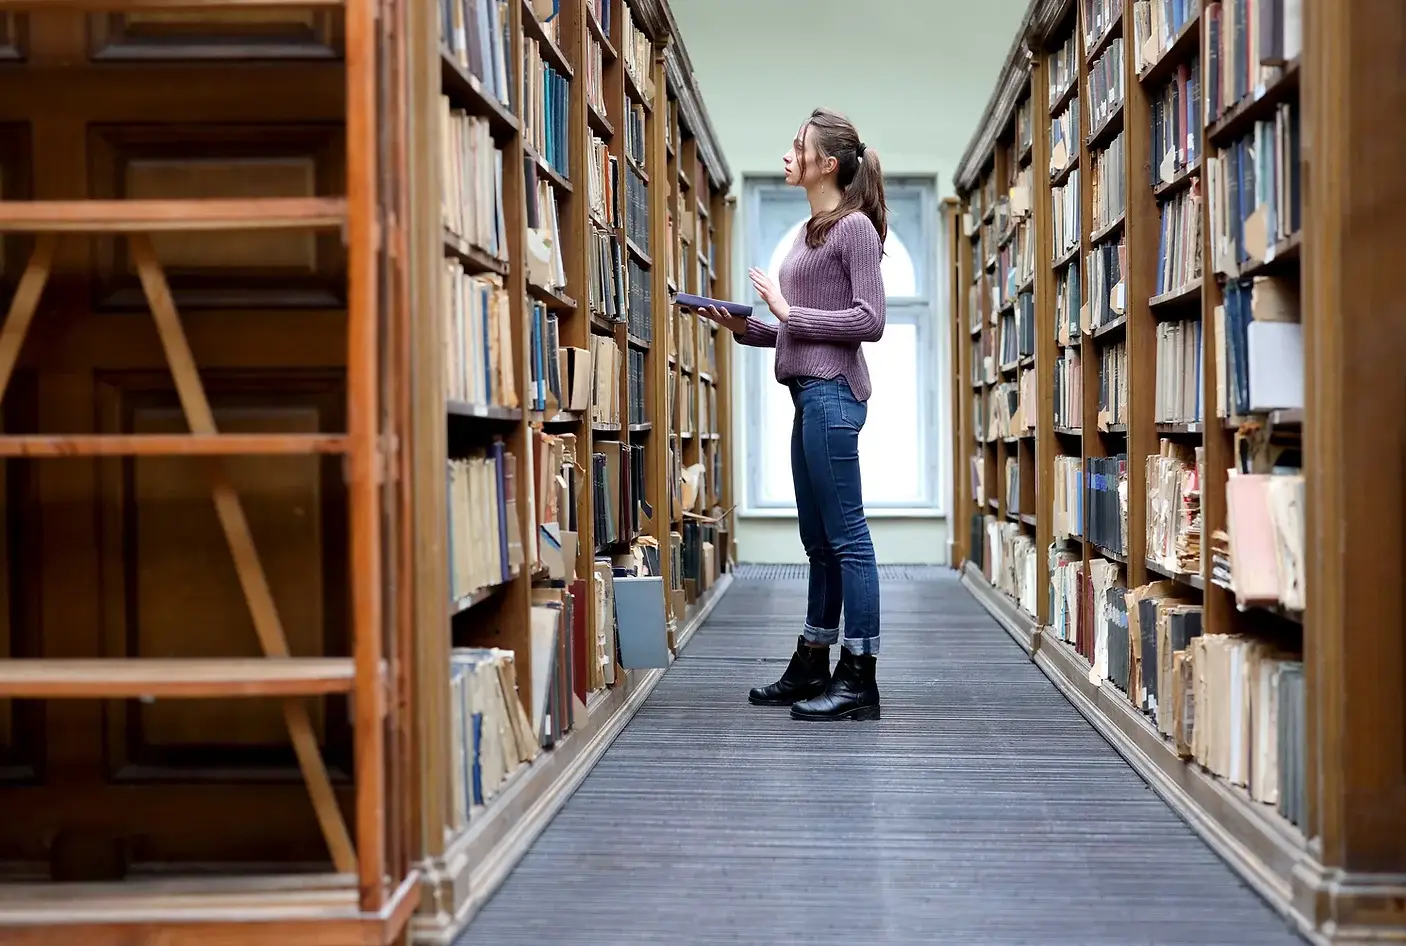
{"points": [[881, 513]]}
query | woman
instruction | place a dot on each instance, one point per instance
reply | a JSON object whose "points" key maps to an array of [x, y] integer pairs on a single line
{"points": [[830, 299]]}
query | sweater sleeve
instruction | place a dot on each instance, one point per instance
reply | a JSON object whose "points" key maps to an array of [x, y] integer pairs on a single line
{"points": [[860, 252], [759, 334]]}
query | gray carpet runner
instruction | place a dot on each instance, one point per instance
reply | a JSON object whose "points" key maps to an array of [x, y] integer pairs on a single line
{"points": [[983, 809]]}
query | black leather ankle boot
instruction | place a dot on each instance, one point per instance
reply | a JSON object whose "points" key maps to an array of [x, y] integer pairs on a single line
{"points": [[806, 675], [852, 693]]}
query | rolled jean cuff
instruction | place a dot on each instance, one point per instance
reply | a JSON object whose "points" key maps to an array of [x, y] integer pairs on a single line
{"points": [[862, 646], [820, 635]]}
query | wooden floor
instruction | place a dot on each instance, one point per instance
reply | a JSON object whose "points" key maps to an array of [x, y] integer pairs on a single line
{"points": [[982, 809]]}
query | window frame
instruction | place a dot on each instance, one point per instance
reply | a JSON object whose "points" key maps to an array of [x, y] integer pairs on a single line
{"points": [[927, 312]]}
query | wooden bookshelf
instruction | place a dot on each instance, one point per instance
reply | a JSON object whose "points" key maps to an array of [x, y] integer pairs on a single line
{"points": [[627, 123], [1325, 844], [201, 710]]}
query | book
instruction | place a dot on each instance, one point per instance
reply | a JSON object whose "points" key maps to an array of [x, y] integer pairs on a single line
{"points": [[689, 301]]}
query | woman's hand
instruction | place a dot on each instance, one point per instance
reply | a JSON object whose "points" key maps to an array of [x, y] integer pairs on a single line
{"points": [[736, 324], [771, 294]]}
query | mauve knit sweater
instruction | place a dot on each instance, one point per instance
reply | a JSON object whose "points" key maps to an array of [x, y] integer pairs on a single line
{"points": [[836, 294]]}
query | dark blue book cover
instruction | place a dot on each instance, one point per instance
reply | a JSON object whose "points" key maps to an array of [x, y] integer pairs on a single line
{"points": [[690, 301]]}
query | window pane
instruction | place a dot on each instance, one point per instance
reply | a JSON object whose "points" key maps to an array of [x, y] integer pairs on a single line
{"points": [[776, 486], [891, 445]]}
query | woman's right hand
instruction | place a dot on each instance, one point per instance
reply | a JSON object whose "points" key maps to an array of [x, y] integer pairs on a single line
{"points": [[734, 323]]}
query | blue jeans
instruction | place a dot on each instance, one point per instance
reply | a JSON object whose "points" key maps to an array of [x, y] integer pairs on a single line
{"points": [[830, 507]]}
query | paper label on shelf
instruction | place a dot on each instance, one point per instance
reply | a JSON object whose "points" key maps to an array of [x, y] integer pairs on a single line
{"points": [[1168, 168]]}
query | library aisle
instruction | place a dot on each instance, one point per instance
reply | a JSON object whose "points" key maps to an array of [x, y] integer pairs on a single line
{"points": [[983, 809]]}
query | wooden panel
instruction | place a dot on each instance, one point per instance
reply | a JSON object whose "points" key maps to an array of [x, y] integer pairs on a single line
{"points": [[170, 588], [258, 33], [291, 268]]}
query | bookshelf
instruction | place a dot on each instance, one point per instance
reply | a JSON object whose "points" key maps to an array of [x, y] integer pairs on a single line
{"points": [[559, 270], [201, 712], [1164, 495]]}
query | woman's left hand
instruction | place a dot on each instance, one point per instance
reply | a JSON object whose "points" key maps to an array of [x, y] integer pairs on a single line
{"points": [[771, 294]]}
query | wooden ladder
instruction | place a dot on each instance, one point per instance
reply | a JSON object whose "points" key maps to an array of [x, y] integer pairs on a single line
{"points": [[277, 674]]}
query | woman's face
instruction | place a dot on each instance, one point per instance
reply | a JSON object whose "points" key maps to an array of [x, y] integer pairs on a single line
{"points": [[802, 163]]}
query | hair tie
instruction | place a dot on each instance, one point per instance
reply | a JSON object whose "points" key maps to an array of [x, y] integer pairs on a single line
{"points": [[859, 151]]}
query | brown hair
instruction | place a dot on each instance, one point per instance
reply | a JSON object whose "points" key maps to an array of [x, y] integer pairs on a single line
{"points": [[859, 175]]}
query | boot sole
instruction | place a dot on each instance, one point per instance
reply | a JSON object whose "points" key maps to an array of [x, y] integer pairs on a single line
{"points": [[779, 701], [859, 714]]}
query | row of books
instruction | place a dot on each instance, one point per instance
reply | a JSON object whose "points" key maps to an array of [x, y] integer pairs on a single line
{"points": [[472, 195], [479, 362], [475, 34], [1015, 264], [595, 76], [1248, 43], [695, 343], [546, 126], [1259, 347], [1105, 84], [1179, 241], [605, 275], [1018, 330], [1066, 216], [1064, 136], [1156, 25], [1098, 18], [1254, 191], [1113, 385], [1173, 481], [1009, 559], [490, 731], [637, 52], [1177, 120], [1107, 292], [1177, 396], [1110, 192], [698, 403], [1063, 66], [482, 502]]}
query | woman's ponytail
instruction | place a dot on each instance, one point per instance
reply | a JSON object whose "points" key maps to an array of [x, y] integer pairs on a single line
{"points": [[859, 175], [867, 190]]}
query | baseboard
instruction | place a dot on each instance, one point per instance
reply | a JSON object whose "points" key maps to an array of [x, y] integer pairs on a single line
{"points": [[478, 861]]}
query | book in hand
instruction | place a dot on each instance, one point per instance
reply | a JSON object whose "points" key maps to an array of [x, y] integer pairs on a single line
{"points": [[689, 301]]}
